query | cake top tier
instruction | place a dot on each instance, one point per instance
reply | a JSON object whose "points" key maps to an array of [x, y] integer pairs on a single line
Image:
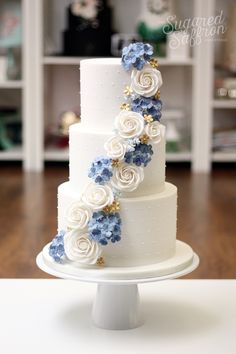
{"points": [[102, 85]]}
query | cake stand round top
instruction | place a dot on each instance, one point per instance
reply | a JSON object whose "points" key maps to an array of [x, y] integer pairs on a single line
{"points": [[183, 262]]}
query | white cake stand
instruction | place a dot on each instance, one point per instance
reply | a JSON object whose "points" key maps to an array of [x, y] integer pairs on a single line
{"points": [[117, 302]]}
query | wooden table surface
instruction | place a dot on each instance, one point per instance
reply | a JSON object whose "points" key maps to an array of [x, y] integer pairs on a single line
{"points": [[206, 217]]}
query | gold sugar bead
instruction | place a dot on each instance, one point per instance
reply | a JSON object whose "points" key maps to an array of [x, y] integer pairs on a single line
{"points": [[112, 208], [157, 95], [154, 63], [125, 106], [148, 118], [128, 91], [144, 139], [100, 261], [115, 163]]}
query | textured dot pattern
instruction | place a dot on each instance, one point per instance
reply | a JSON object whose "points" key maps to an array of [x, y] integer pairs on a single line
{"points": [[145, 240]]}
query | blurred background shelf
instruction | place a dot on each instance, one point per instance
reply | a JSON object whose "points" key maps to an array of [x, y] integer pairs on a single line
{"points": [[53, 154], [11, 84], [178, 156], [224, 156], [227, 104], [49, 84], [61, 60], [13, 154]]}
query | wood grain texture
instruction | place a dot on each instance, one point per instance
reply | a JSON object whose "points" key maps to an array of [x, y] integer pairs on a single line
{"points": [[206, 217]]}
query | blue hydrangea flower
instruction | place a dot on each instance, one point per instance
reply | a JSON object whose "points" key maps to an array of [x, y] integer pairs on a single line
{"points": [[101, 170], [105, 227], [141, 155], [56, 248], [132, 143], [136, 55], [146, 105]]}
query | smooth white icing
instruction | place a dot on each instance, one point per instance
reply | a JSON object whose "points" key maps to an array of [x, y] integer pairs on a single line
{"points": [[148, 213], [102, 82], [86, 145], [148, 227], [184, 261]]}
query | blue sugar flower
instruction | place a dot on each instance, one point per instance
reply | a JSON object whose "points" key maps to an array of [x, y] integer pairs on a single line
{"points": [[141, 155], [101, 170], [145, 105], [132, 143], [136, 55], [56, 248], [105, 227]]}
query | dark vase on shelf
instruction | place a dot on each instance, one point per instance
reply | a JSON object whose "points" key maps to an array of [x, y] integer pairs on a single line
{"points": [[89, 29]]}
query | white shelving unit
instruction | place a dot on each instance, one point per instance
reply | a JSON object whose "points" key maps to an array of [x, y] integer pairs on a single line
{"points": [[221, 109], [11, 84], [226, 104], [50, 85], [13, 154]]}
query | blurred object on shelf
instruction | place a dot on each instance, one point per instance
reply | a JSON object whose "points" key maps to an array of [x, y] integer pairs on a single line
{"points": [[11, 36], [58, 136], [3, 68], [66, 120], [172, 137], [154, 24], [89, 29], [177, 47], [229, 52], [224, 139], [176, 140], [225, 88], [10, 128], [121, 40]]}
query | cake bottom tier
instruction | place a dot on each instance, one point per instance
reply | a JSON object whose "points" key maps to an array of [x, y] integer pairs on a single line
{"points": [[148, 227]]}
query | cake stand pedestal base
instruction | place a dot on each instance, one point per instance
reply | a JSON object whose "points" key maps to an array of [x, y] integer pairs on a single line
{"points": [[116, 306]]}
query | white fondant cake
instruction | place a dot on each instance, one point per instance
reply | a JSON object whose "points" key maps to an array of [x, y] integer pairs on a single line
{"points": [[116, 210]]}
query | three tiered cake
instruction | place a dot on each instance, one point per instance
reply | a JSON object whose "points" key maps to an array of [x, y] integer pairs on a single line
{"points": [[116, 210]]}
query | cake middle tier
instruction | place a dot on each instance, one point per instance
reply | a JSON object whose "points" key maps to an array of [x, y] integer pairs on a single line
{"points": [[86, 145], [148, 233]]}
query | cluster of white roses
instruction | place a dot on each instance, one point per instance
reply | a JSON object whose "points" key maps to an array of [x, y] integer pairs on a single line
{"points": [[126, 177], [131, 125], [78, 246]]}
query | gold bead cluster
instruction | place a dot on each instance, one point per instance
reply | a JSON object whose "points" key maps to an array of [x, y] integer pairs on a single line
{"points": [[148, 118], [112, 208], [144, 139], [154, 63], [157, 95], [128, 91], [115, 163], [100, 261], [125, 106]]}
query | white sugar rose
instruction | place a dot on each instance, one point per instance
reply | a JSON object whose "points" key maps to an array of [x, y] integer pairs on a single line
{"points": [[115, 148], [127, 177], [78, 215], [153, 130], [96, 196], [147, 81], [129, 124], [79, 248]]}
